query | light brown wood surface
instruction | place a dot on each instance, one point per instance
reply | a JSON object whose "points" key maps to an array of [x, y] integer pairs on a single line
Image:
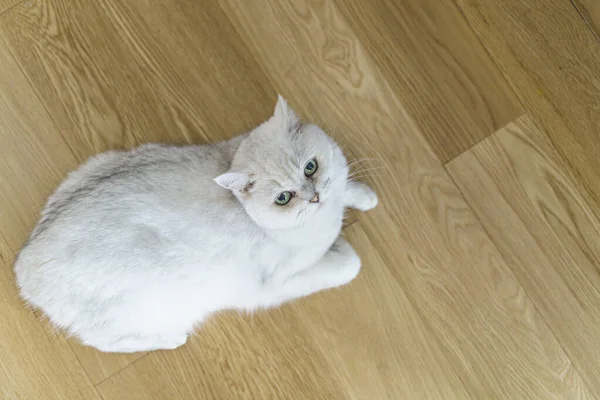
{"points": [[550, 56], [34, 361], [590, 11], [439, 69], [480, 277], [7, 4], [540, 219]]}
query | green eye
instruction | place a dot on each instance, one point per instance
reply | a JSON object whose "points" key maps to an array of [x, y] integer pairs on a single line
{"points": [[311, 167], [283, 198]]}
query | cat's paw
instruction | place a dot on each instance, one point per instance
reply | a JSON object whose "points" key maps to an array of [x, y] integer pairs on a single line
{"points": [[347, 260], [362, 197], [369, 199]]}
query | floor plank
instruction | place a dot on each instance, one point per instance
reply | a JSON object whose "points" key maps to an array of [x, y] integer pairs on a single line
{"points": [[437, 68], [118, 81], [33, 158], [232, 357], [551, 58], [440, 254], [36, 364], [542, 221]]}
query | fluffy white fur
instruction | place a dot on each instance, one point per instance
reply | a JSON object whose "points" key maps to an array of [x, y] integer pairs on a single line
{"points": [[136, 248]]}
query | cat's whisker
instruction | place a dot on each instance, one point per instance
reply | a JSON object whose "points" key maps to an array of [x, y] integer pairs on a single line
{"points": [[362, 164], [362, 167], [367, 170], [364, 176], [354, 173], [359, 161], [361, 177]]}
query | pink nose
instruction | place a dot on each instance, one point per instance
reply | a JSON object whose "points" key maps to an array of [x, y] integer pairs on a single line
{"points": [[315, 199]]}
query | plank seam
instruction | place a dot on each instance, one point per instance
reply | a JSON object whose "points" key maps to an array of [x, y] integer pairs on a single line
{"points": [[117, 372], [586, 19], [11, 7], [525, 114]]}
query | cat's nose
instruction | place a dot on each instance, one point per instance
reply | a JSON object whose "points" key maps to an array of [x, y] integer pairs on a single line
{"points": [[315, 199]]}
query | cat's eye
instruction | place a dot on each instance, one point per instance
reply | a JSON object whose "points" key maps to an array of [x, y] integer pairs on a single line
{"points": [[311, 167], [283, 198]]}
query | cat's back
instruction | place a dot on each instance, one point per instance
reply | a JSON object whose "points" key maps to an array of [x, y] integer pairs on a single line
{"points": [[151, 181], [124, 209]]}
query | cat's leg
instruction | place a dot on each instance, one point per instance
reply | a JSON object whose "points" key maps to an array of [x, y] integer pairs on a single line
{"points": [[360, 196], [134, 344], [337, 267]]}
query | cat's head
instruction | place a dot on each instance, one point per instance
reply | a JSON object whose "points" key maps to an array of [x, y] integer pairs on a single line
{"points": [[285, 172]]}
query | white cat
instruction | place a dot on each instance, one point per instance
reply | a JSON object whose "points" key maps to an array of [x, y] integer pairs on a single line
{"points": [[136, 248]]}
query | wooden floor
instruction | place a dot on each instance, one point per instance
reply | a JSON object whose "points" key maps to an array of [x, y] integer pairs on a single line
{"points": [[481, 275]]}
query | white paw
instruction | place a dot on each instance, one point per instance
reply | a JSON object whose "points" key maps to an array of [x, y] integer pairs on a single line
{"points": [[366, 198], [370, 200]]}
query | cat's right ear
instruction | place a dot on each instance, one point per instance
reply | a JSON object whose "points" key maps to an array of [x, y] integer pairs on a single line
{"points": [[237, 181], [284, 116]]}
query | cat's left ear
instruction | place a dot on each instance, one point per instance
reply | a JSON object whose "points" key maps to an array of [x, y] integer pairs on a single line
{"points": [[236, 181], [284, 115]]}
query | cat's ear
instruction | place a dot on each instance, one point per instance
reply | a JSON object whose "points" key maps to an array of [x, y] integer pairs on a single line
{"points": [[237, 181], [284, 115]]}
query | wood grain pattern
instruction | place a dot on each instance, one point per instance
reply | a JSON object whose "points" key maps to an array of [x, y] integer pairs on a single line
{"points": [[437, 68], [590, 11], [551, 59], [6, 5], [100, 66], [394, 338], [542, 221], [36, 364], [233, 357]]}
